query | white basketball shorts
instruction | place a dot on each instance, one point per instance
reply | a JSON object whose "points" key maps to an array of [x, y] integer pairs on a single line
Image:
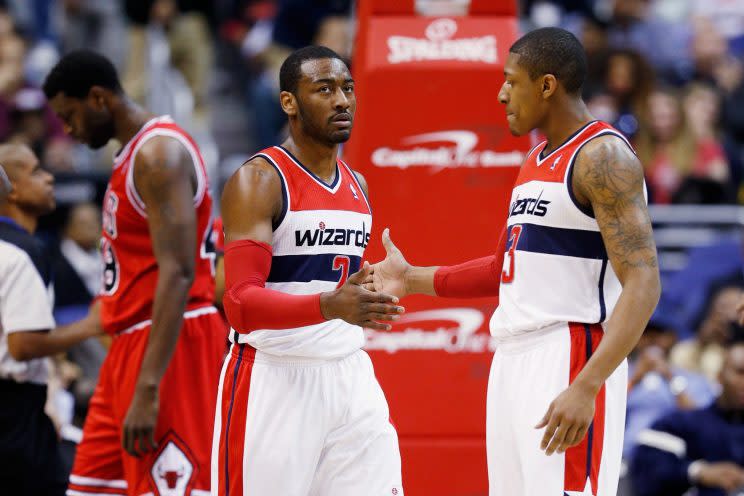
{"points": [[528, 372], [302, 427]]}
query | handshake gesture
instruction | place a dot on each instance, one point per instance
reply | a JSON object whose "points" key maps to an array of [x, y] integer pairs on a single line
{"points": [[369, 298]]}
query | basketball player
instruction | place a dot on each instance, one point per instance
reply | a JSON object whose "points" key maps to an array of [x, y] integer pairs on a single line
{"points": [[148, 428], [578, 282], [300, 412]]}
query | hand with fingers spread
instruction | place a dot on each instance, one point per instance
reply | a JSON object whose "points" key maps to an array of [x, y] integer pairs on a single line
{"points": [[389, 276], [138, 432], [567, 420], [355, 304]]}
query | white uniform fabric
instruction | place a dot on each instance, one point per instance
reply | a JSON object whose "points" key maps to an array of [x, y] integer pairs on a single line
{"points": [[312, 428], [557, 289], [24, 306], [528, 373], [561, 271], [299, 410], [309, 247]]}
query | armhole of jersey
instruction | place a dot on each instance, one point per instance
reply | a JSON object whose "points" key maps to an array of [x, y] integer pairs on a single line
{"points": [[196, 162], [569, 170], [285, 189], [359, 184]]}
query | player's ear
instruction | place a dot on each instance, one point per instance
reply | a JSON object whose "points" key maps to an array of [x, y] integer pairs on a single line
{"points": [[549, 85], [97, 97], [289, 103]]}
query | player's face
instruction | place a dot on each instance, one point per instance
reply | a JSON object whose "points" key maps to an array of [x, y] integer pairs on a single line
{"points": [[521, 96], [33, 187], [87, 120], [326, 102]]}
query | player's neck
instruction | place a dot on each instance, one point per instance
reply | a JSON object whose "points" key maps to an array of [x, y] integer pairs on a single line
{"points": [[319, 158], [564, 122], [129, 119], [27, 221]]}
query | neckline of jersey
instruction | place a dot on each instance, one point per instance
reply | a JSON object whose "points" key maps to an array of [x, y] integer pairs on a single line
{"points": [[125, 149], [541, 159], [11, 222], [330, 187]]}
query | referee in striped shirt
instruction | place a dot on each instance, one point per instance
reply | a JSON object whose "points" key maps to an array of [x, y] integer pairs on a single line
{"points": [[30, 462]]}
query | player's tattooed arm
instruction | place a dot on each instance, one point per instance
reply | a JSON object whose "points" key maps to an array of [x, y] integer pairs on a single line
{"points": [[165, 179], [608, 178]]}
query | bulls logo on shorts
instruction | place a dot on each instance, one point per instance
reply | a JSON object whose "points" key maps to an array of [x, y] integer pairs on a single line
{"points": [[173, 471]]}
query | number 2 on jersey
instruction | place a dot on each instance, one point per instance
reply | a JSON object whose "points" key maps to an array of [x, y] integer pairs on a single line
{"points": [[341, 262], [508, 276]]}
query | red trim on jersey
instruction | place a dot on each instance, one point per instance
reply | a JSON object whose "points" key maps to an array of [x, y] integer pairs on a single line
{"points": [[552, 168], [234, 412], [307, 192], [576, 463]]}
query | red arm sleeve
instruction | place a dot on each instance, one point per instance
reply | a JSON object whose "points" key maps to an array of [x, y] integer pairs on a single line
{"points": [[249, 305], [474, 278]]}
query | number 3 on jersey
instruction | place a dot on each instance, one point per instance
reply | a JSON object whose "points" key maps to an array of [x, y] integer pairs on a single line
{"points": [[508, 276]]}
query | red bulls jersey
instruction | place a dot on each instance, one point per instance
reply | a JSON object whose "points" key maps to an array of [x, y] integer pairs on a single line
{"points": [[130, 270], [317, 243], [556, 267]]}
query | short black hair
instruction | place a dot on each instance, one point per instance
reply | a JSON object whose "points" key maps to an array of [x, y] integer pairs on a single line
{"points": [[78, 71], [553, 51], [289, 74]]}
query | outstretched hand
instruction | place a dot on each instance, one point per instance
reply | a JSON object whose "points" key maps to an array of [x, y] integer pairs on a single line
{"points": [[358, 305], [389, 276]]}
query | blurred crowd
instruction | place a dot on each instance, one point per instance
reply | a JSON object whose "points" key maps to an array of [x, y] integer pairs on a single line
{"points": [[669, 74]]}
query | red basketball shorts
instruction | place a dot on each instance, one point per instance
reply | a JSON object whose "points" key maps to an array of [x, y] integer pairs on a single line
{"points": [[188, 393]]}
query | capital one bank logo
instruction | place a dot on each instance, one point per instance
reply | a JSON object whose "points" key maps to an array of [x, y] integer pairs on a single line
{"points": [[453, 330], [441, 45], [172, 471], [446, 149]]}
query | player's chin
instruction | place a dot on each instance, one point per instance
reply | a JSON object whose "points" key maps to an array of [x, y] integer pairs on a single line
{"points": [[515, 130], [341, 136]]}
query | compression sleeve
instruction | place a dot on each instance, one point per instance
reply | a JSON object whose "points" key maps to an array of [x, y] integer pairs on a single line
{"points": [[249, 305], [474, 278]]}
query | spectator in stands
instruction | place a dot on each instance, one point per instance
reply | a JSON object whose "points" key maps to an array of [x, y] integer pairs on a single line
{"points": [[25, 116], [673, 157], [77, 273], [701, 449], [298, 23], [705, 352], [635, 26], [657, 387], [78, 266], [629, 80], [189, 40]]}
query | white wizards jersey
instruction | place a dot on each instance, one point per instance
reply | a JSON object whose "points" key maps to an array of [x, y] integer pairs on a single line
{"points": [[556, 267], [317, 244]]}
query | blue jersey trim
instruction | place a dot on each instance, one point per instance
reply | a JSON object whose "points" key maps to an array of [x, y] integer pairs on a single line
{"points": [[602, 308], [306, 268], [559, 241], [590, 434]]}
